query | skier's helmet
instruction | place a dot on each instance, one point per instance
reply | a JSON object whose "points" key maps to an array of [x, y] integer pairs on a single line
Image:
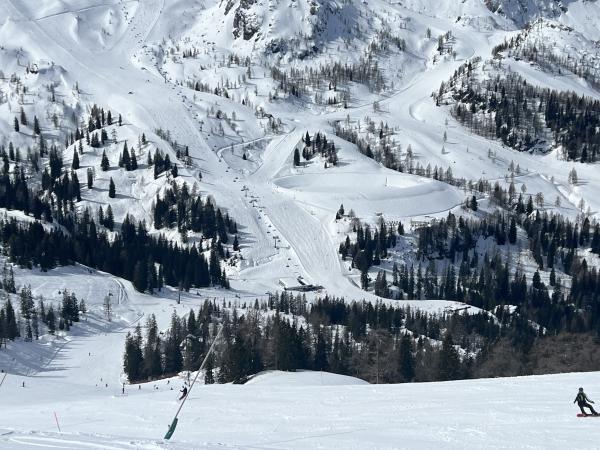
{"points": [[580, 389]]}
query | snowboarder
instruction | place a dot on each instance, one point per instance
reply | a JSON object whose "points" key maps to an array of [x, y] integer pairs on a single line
{"points": [[183, 393], [583, 401]]}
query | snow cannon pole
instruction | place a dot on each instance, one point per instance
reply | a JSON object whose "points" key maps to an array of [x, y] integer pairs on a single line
{"points": [[175, 419]]}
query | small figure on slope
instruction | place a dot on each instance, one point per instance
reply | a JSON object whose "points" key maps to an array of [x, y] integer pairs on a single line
{"points": [[183, 393], [583, 401]]}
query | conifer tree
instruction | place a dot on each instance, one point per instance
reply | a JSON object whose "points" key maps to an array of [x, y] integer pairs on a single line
{"points": [[75, 163], [125, 160], [209, 377], [90, 178], [111, 189], [449, 361], [23, 117], [406, 359], [51, 320], [109, 222], [104, 164]]}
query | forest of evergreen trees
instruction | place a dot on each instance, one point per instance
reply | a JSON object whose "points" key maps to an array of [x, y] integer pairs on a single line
{"points": [[448, 265], [524, 116], [317, 144], [30, 321], [148, 261], [178, 207], [377, 342]]}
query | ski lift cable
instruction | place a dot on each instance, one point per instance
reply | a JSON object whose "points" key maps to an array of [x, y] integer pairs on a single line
{"points": [[175, 419]]}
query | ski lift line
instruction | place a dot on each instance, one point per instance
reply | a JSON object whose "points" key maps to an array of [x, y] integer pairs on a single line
{"points": [[175, 420]]}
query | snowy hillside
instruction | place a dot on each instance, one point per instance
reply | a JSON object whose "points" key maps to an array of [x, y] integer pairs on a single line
{"points": [[462, 415], [348, 191]]}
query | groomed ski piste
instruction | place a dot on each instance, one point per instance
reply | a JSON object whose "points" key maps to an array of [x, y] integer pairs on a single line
{"points": [[298, 411], [74, 382]]}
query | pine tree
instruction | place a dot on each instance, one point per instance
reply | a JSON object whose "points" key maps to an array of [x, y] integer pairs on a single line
{"points": [[109, 222], [90, 178], [16, 125], [173, 359], [11, 327], [320, 361], [209, 377], [104, 164], [23, 117], [406, 359], [36, 125], [133, 359], [125, 160], [512, 231], [473, 204], [51, 320], [449, 361], [296, 157], [111, 189], [75, 163], [152, 356]]}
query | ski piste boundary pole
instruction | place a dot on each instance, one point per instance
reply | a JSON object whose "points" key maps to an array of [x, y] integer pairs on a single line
{"points": [[175, 420]]}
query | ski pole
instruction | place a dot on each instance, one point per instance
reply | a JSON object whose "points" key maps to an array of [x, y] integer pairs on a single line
{"points": [[3, 378], [175, 420]]}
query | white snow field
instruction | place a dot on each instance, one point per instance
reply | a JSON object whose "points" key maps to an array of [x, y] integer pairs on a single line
{"points": [[300, 411], [128, 55]]}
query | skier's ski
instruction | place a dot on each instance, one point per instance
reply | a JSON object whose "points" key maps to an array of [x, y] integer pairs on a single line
{"points": [[588, 415]]}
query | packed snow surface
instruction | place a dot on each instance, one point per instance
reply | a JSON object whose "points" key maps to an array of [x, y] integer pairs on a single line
{"points": [[527, 412]]}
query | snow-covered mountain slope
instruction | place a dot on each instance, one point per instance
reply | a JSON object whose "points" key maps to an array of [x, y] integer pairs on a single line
{"points": [[239, 84], [141, 59], [299, 413]]}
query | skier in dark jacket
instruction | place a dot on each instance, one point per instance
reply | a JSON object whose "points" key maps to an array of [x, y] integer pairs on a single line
{"points": [[583, 401], [183, 393]]}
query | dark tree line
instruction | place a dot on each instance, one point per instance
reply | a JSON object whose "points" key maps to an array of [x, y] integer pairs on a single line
{"points": [[149, 262], [376, 342]]}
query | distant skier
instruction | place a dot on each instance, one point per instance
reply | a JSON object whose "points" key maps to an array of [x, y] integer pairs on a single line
{"points": [[583, 401], [184, 392]]}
